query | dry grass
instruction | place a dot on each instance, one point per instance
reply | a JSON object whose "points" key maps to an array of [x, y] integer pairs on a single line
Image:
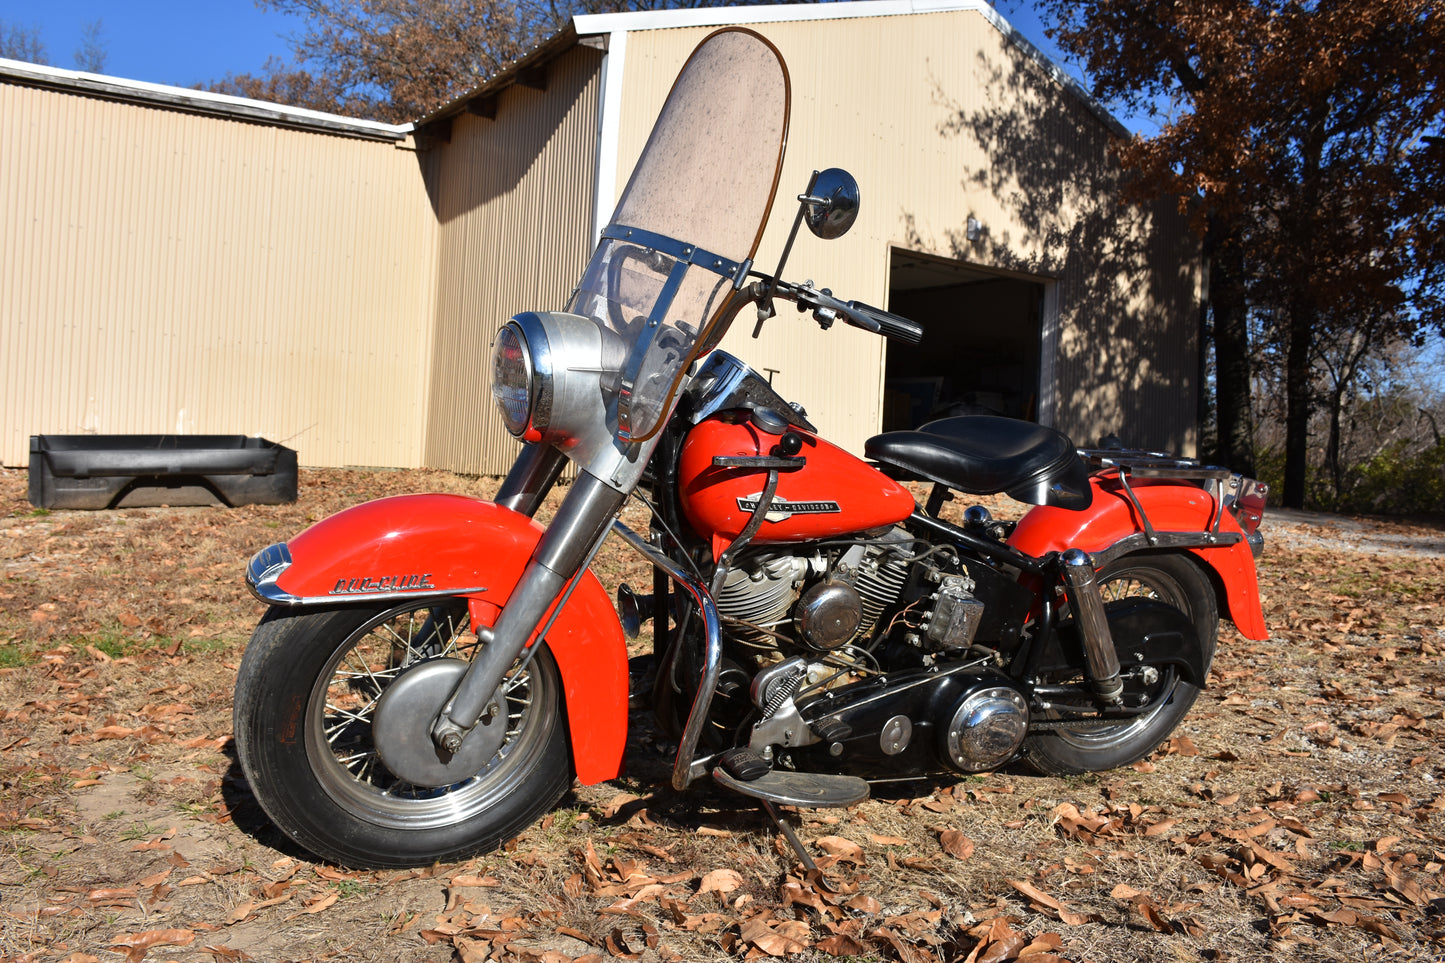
{"points": [[1298, 814]]}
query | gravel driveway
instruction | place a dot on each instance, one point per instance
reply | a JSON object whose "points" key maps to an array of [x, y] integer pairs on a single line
{"points": [[1285, 528]]}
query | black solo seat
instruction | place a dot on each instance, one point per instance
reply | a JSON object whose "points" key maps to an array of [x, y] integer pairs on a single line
{"points": [[982, 455]]}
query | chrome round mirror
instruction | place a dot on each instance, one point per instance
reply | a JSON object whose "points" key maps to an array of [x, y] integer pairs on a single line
{"points": [[831, 206]]}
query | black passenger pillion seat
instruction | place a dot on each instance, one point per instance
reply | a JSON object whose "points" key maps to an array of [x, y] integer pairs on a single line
{"points": [[984, 456]]}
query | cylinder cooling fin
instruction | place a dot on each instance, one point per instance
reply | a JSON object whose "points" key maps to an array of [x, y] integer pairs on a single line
{"points": [[881, 576]]}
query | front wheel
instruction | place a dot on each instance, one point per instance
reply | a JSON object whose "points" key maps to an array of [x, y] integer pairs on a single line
{"points": [[1177, 581], [306, 698]]}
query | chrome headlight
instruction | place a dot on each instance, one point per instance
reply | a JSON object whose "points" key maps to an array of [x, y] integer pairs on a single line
{"points": [[512, 379], [547, 377]]}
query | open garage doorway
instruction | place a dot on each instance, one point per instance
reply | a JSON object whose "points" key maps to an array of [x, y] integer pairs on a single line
{"points": [[981, 344]]}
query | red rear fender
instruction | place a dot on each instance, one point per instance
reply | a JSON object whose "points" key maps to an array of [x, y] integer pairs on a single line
{"points": [[426, 545], [1171, 507]]}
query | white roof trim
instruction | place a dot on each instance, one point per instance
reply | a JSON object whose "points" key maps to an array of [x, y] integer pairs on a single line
{"points": [[782, 13], [200, 101], [608, 23]]}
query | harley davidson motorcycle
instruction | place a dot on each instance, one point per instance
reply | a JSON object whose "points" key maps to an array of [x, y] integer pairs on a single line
{"points": [[435, 670]]}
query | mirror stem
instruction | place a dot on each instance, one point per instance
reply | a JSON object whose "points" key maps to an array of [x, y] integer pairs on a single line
{"points": [[765, 306]]}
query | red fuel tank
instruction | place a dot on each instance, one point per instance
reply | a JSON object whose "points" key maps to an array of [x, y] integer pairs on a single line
{"points": [[834, 493]]}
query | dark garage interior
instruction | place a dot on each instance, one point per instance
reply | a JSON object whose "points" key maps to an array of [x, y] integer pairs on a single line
{"points": [[980, 349]]}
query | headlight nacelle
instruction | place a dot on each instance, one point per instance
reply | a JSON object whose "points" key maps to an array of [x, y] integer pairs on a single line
{"points": [[548, 376]]}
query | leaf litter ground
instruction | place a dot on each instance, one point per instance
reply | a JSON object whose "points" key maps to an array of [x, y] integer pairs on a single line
{"points": [[1297, 814]]}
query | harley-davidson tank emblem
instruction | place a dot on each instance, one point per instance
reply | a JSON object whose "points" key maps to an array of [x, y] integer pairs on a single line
{"points": [[782, 509], [387, 583]]}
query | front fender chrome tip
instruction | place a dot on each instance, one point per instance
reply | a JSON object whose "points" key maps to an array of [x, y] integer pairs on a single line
{"points": [[265, 567]]}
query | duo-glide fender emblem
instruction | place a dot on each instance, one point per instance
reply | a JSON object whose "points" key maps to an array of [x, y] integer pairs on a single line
{"points": [[388, 583]]}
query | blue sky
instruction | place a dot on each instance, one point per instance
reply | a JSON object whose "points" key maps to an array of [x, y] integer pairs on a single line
{"points": [[179, 42]]}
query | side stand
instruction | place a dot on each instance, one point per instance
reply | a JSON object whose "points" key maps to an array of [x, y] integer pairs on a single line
{"points": [[791, 836]]}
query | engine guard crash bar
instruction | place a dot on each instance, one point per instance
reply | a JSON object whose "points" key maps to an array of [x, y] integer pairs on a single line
{"points": [[685, 769]]}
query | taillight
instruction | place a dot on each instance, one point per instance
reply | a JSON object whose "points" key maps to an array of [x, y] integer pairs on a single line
{"points": [[1245, 500]]}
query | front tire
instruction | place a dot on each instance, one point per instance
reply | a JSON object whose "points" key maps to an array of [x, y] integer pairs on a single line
{"points": [[306, 694], [1175, 580]]}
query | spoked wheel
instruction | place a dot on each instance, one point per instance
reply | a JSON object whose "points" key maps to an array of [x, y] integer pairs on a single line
{"points": [[313, 720], [1176, 581]]}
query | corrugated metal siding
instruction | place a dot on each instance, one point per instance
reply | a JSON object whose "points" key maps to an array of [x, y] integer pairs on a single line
{"points": [[165, 272], [941, 118], [514, 198]]}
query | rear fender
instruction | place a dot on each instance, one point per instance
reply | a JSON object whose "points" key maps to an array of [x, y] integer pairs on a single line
{"points": [[420, 546], [1171, 507]]}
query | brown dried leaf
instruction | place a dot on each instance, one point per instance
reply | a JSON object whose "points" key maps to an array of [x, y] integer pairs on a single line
{"points": [[720, 881], [136, 945], [1044, 943], [459, 881], [616, 804], [770, 941], [242, 912], [321, 903], [1151, 913], [844, 850], [863, 903], [1034, 894], [956, 844], [617, 945], [840, 944], [98, 897]]}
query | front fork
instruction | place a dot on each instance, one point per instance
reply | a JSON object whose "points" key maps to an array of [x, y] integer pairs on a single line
{"points": [[560, 557]]}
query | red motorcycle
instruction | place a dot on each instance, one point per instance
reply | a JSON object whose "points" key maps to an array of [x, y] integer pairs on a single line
{"points": [[435, 670]]}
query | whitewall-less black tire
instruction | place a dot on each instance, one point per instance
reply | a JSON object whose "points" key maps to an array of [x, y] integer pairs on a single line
{"points": [[1179, 581], [306, 693]]}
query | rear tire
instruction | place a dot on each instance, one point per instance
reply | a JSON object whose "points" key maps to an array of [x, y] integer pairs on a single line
{"points": [[1175, 580], [306, 691]]}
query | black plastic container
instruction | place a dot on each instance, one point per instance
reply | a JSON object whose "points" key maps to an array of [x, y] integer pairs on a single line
{"points": [[131, 471]]}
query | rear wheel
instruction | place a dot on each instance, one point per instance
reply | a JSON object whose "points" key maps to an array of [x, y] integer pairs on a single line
{"points": [[306, 702], [1177, 581]]}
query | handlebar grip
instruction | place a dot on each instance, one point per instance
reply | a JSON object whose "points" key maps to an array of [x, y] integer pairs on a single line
{"points": [[895, 327]]}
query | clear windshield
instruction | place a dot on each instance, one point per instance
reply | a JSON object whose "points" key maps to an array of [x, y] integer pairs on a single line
{"points": [[690, 219]]}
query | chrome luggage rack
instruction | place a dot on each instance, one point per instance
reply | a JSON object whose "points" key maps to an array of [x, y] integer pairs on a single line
{"points": [[1151, 464], [1229, 492]]}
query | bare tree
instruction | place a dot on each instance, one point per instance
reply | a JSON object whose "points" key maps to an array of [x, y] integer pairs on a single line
{"points": [[93, 50], [396, 60], [21, 43]]}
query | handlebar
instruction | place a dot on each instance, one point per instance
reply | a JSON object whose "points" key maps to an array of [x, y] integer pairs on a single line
{"points": [[827, 309], [895, 327]]}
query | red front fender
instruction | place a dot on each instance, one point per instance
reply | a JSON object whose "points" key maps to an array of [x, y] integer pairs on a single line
{"points": [[426, 545], [1171, 507]]}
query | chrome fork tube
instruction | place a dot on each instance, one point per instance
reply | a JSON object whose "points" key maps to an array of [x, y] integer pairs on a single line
{"points": [[532, 476], [582, 521], [1093, 625]]}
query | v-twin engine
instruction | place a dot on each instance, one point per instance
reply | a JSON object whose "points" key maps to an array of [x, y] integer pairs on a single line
{"points": [[821, 600], [834, 595]]}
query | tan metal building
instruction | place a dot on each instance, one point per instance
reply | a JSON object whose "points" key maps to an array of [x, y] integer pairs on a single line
{"points": [[175, 261]]}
